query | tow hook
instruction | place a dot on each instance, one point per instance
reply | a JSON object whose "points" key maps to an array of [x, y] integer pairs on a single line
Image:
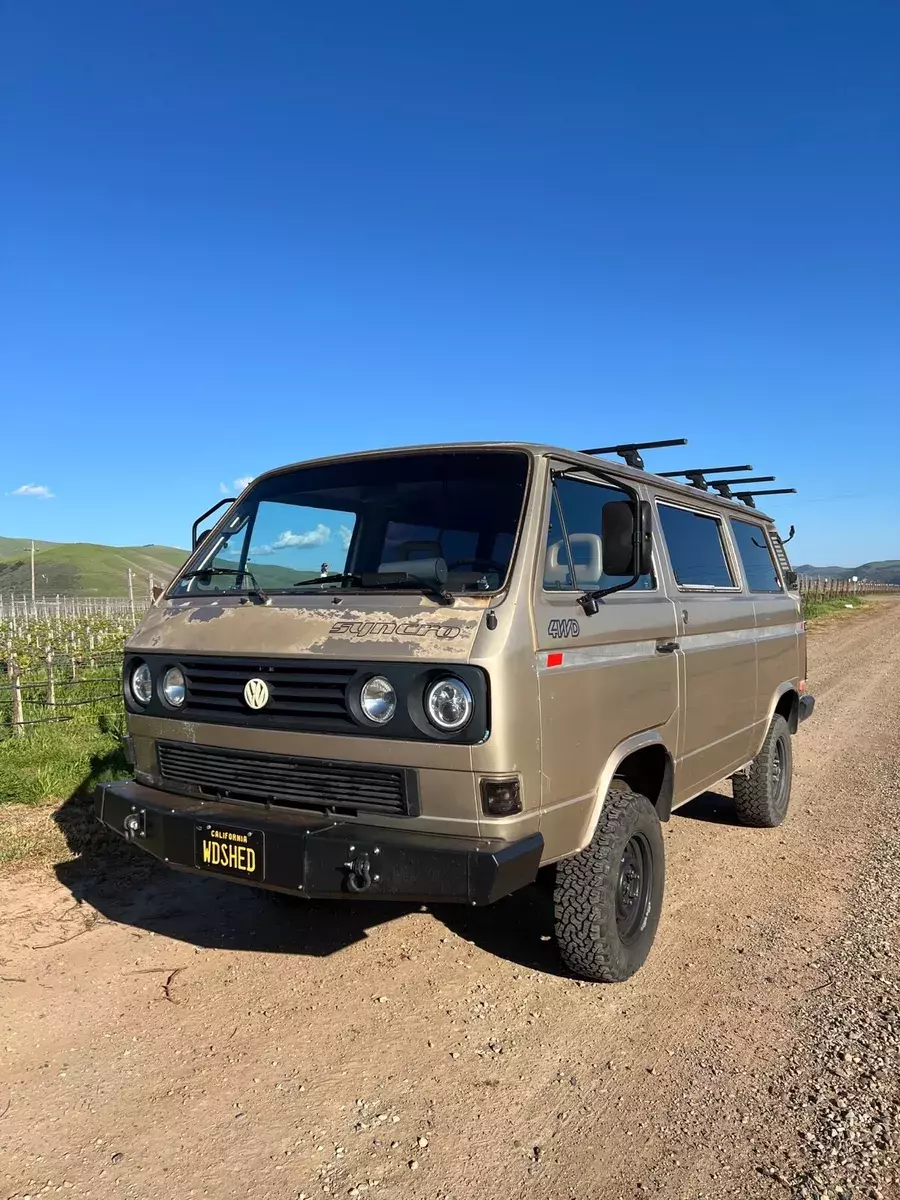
{"points": [[135, 825], [359, 872]]}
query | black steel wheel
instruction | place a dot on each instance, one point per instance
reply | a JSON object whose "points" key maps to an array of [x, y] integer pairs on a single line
{"points": [[633, 887]]}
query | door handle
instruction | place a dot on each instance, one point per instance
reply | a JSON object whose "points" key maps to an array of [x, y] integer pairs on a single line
{"points": [[666, 647]]}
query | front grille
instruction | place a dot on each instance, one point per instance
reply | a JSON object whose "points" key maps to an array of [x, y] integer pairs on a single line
{"points": [[322, 786], [308, 696]]}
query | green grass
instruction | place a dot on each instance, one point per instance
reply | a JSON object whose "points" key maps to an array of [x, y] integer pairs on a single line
{"points": [[58, 762], [815, 610]]}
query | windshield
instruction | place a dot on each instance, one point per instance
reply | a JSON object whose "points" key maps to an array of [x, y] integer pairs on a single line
{"points": [[334, 527]]}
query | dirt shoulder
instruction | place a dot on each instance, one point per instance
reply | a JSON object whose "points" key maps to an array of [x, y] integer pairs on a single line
{"points": [[170, 1036]]}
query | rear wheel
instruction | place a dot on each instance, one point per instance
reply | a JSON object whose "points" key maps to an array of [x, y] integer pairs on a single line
{"points": [[608, 896], [762, 795]]}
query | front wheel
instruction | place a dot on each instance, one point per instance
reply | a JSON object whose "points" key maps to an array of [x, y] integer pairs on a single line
{"points": [[608, 896], [762, 795]]}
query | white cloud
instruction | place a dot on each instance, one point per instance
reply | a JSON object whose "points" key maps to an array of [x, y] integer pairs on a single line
{"points": [[237, 485], [345, 533], [33, 489], [287, 540]]}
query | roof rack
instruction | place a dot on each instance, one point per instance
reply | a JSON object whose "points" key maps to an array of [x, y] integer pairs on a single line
{"points": [[723, 486], [631, 451], [748, 497], [697, 475]]}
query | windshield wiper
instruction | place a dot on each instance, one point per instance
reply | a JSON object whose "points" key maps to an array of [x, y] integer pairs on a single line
{"points": [[383, 581], [240, 572], [388, 582], [339, 578]]}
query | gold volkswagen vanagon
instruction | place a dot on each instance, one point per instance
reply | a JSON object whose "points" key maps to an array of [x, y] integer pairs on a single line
{"points": [[425, 674]]}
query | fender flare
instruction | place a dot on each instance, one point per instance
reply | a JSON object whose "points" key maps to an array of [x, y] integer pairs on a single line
{"points": [[790, 685], [638, 741]]}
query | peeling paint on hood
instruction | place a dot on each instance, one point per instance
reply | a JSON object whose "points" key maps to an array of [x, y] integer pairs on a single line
{"points": [[285, 628]]}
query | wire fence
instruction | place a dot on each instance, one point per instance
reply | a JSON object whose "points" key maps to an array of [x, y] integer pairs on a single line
{"points": [[59, 690], [18, 610], [815, 588]]}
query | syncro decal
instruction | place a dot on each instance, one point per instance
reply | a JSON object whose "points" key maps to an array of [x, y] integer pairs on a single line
{"points": [[416, 629]]}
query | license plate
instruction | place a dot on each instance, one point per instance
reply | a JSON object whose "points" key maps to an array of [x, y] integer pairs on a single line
{"points": [[237, 852]]}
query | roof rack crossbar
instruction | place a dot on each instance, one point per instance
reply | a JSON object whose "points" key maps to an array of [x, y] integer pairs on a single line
{"points": [[748, 497], [631, 451], [696, 476], [723, 486]]}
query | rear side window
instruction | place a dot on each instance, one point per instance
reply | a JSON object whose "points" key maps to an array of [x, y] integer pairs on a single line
{"points": [[696, 548], [753, 547]]}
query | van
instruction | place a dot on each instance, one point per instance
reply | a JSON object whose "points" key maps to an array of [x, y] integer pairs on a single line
{"points": [[429, 674]]}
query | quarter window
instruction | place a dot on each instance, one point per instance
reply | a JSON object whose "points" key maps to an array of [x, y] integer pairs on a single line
{"points": [[753, 547], [582, 511], [696, 548]]}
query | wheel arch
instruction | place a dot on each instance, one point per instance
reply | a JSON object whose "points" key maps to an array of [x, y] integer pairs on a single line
{"points": [[785, 702], [645, 764]]}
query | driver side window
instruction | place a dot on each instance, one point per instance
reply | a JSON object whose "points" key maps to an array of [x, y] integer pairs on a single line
{"points": [[577, 510]]}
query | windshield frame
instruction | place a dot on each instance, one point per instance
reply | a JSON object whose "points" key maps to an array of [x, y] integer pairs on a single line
{"points": [[206, 551]]}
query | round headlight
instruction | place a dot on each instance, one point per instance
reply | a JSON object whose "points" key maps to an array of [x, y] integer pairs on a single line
{"points": [[173, 687], [449, 704], [378, 700], [142, 684]]}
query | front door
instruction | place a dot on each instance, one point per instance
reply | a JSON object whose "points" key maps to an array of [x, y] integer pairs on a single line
{"points": [[602, 678]]}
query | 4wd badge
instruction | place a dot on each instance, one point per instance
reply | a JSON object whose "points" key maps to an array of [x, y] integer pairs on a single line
{"points": [[564, 627]]}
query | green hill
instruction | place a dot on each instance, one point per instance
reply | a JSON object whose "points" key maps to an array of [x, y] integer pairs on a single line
{"points": [[885, 570], [82, 568]]}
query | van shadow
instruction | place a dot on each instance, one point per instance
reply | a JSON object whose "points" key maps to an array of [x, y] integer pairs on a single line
{"points": [[713, 808], [131, 888]]}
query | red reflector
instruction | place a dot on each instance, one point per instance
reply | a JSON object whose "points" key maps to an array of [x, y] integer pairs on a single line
{"points": [[554, 660]]}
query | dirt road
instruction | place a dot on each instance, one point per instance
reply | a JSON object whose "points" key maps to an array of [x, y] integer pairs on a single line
{"points": [[165, 1036]]}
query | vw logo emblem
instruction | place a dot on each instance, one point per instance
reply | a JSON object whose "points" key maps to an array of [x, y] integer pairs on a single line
{"points": [[256, 693]]}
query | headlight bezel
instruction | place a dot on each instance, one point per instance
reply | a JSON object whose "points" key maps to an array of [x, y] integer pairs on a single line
{"points": [[466, 693]]}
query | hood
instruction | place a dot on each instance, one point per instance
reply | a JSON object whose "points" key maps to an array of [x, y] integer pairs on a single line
{"points": [[360, 627]]}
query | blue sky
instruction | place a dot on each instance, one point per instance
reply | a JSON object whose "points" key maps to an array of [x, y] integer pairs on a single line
{"points": [[237, 235]]}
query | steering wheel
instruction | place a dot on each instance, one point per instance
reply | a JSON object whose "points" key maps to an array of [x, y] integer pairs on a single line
{"points": [[478, 564]]}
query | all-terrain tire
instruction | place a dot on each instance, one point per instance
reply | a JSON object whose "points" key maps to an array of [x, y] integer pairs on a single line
{"points": [[595, 939], [762, 794]]}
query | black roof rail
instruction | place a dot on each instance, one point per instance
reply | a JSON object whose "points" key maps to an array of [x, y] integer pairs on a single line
{"points": [[723, 486], [697, 475], [748, 497], [631, 451]]}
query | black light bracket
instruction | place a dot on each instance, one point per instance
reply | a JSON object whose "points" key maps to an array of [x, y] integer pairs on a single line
{"points": [[631, 451]]}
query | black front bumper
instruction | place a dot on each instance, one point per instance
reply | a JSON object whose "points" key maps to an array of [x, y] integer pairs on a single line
{"points": [[314, 856], [805, 708]]}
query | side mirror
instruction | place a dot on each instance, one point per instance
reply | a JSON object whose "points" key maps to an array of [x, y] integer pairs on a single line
{"points": [[792, 579], [201, 538], [618, 538]]}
